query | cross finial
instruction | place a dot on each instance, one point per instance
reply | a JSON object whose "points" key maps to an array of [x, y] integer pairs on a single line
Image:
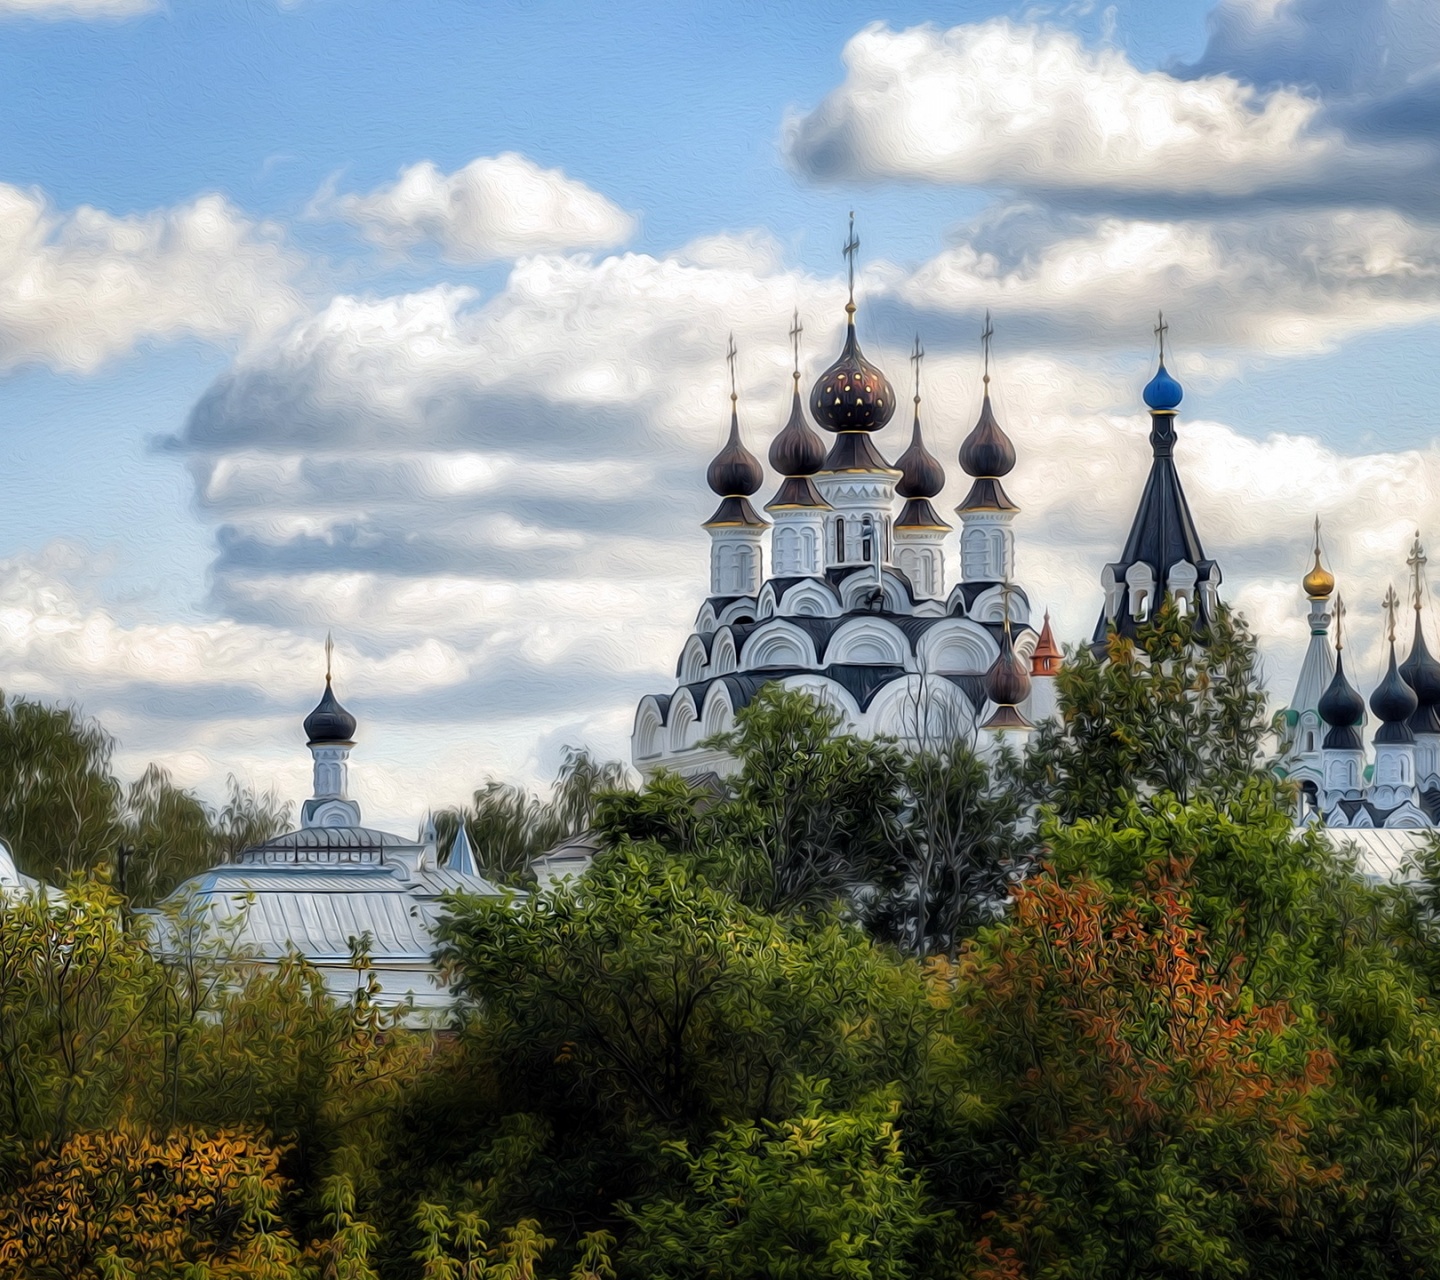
{"points": [[917, 358], [730, 360], [1340, 612], [1417, 565], [1161, 329], [852, 247], [329, 653], [1005, 604], [986, 334], [1390, 604], [796, 329]]}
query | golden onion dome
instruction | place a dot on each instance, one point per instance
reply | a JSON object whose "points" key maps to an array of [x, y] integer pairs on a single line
{"points": [[1319, 582]]}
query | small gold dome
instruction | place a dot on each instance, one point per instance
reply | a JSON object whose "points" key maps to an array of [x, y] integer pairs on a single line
{"points": [[1319, 582]]}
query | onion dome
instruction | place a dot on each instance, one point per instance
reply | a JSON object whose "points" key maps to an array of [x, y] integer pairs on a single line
{"points": [[1342, 708], [987, 451], [1045, 661], [921, 476], [852, 394], [797, 450], [735, 471], [329, 722], [1422, 673], [1007, 685], [1319, 582], [1394, 702], [1162, 393]]}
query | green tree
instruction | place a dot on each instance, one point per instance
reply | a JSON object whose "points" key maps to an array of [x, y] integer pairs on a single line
{"points": [[1178, 711], [822, 1194]]}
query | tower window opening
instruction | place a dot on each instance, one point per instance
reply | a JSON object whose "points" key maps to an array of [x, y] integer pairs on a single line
{"points": [[867, 540], [840, 538]]}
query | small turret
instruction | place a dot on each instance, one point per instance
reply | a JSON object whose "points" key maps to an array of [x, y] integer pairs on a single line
{"points": [[736, 558], [919, 532]]}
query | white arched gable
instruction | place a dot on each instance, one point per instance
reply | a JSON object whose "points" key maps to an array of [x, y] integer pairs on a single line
{"points": [[648, 738], [829, 694], [719, 715], [922, 711], [740, 610], [722, 654], [765, 603], [693, 661], [868, 642], [857, 590], [810, 600], [777, 643], [989, 605], [957, 646], [684, 723], [955, 604], [705, 620]]}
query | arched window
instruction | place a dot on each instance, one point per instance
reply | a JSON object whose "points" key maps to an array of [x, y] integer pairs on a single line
{"points": [[840, 539], [867, 540]]}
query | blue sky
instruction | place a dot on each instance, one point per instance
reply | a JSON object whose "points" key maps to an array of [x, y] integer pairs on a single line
{"points": [[253, 385]]}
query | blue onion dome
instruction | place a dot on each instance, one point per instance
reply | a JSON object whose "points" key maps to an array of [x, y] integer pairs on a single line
{"points": [[1422, 673], [852, 394], [987, 450], [1394, 702], [329, 722], [921, 476], [734, 472], [1340, 706], [1162, 393], [797, 450]]}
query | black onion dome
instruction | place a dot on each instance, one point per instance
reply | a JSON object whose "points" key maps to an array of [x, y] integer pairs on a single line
{"points": [[797, 450], [987, 450], [921, 476], [1422, 673], [735, 472], [329, 722], [1394, 702], [1007, 685], [852, 394], [1342, 708]]}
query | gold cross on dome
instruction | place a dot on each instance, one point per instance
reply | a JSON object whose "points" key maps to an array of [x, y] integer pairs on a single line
{"points": [[1340, 612], [730, 360], [1417, 564], [917, 358], [986, 334], [1161, 329], [329, 653], [1390, 604], [852, 247]]}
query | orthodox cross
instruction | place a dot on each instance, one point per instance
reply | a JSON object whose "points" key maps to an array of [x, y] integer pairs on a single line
{"points": [[1390, 604], [329, 653], [1417, 564], [796, 329], [852, 246], [1161, 329], [1005, 604], [986, 334], [730, 360], [917, 358], [1340, 612]]}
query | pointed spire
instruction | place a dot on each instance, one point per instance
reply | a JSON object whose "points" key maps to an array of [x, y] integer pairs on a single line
{"points": [[1162, 393], [921, 476], [1393, 701], [734, 473], [1046, 659], [329, 721], [797, 453], [461, 858]]}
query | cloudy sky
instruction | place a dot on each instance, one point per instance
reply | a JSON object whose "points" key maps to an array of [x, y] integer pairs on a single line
{"points": [[408, 320]]}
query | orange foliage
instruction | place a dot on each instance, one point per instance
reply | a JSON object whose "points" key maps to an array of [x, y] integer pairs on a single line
{"points": [[122, 1203]]}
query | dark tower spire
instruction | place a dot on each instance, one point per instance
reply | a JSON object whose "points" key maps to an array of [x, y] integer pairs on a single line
{"points": [[1162, 555], [1421, 671], [921, 476], [734, 473], [797, 453]]}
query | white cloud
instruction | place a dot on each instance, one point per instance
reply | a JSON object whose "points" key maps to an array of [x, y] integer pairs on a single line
{"points": [[80, 287], [77, 8], [1031, 108], [494, 208]]}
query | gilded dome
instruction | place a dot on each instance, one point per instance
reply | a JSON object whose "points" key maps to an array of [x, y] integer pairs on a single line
{"points": [[1319, 582]]}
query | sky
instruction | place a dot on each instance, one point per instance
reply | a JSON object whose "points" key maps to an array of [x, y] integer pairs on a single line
{"points": [[408, 321]]}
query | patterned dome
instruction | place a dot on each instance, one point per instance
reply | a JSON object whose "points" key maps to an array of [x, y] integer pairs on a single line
{"points": [[852, 394]]}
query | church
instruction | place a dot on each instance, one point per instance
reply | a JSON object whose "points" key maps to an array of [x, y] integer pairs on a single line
{"points": [[862, 606]]}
